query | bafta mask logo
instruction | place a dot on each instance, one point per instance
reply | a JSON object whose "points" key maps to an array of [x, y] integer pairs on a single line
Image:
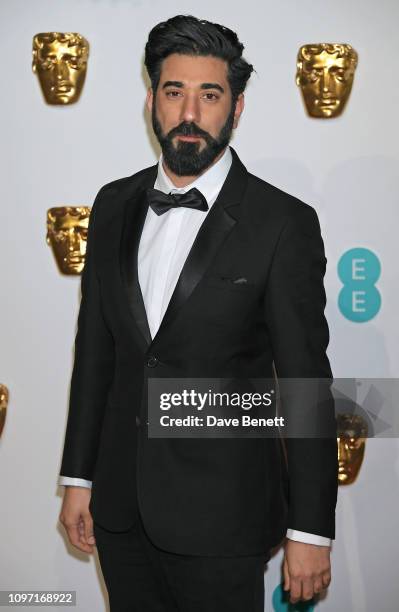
{"points": [[67, 234], [60, 62], [3, 406], [325, 73], [352, 432]]}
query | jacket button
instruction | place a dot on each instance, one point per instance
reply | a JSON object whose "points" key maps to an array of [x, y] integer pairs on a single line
{"points": [[137, 421], [152, 361]]}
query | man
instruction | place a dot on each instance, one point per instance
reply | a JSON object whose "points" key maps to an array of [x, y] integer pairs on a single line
{"points": [[187, 524]]}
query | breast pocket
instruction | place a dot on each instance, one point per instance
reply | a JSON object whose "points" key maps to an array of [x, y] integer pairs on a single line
{"points": [[235, 283], [223, 303]]}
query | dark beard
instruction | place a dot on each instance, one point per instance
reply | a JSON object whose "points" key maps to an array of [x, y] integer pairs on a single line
{"points": [[186, 159]]}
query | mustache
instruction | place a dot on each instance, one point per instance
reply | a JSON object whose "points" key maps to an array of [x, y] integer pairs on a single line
{"points": [[189, 129]]}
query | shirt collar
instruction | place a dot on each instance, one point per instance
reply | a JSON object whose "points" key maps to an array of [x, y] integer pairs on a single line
{"points": [[209, 183]]}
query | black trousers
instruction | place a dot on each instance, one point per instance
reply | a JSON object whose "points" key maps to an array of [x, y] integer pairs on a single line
{"points": [[143, 578]]}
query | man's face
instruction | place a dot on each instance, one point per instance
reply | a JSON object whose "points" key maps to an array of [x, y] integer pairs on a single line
{"points": [[326, 82], [192, 112], [61, 69], [351, 447], [67, 235], [3, 406]]}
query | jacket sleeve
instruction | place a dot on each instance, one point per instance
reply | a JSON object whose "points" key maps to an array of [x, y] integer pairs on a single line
{"points": [[93, 369], [295, 300]]}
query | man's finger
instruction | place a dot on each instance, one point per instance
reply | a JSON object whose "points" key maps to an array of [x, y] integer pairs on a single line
{"points": [[307, 589], [326, 579], [295, 589], [286, 576], [73, 532], [88, 530]]}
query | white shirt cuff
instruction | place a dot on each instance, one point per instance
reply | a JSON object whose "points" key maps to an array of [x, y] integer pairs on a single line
{"points": [[308, 538], [74, 482]]}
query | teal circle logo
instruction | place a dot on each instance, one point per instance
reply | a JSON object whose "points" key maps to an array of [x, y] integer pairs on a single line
{"points": [[281, 602], [359, 299]]}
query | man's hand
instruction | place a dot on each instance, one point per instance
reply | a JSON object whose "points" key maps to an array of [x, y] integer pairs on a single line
{"points": [[76, 518], [307, 569]]}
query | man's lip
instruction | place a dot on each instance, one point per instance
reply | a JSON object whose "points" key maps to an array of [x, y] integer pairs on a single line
{"points": [[74, 258], [328, 102], [189, 138], [62, 88]]}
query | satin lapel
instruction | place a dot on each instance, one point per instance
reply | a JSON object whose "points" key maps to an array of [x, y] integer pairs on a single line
{"points": [[218, 224], [135, 212]]}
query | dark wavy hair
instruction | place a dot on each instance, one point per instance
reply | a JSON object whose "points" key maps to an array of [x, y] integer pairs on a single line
{"points": [[188, 35]]}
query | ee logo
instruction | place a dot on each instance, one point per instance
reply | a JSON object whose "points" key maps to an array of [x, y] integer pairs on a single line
{"points": [[359, 299], [281, 602]]}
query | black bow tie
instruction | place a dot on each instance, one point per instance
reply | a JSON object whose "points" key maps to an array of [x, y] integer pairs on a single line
{"points": [[161, 202]]}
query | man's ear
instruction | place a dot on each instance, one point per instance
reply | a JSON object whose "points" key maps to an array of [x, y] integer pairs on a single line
{"points": [[238, 110], [149, 99]]}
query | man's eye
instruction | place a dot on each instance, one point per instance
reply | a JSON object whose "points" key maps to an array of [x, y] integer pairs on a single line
{"points": [[172, 94], [211, 96], [313, 75], [59, 236], [73, 62], [47, 64], [340, 75]]}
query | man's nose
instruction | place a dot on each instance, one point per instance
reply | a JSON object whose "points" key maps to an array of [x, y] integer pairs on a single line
{"points": [[61, 71], [344, 454], [73, 241], [326, 81], [190, 111]]}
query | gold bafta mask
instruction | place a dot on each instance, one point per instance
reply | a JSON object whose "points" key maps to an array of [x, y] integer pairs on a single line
{"points": [[325, 73], [67, 234], [60, 62], [3, 406], [352, 433]]}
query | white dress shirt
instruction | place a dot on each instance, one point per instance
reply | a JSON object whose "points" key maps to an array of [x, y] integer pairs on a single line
{"points": [[164, 246]]}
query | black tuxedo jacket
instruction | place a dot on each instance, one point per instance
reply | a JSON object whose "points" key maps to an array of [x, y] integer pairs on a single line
{"points": [[196, 496]]}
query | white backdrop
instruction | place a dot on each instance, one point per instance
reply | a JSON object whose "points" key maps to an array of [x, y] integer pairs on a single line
{"points": [[346, 168]]}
